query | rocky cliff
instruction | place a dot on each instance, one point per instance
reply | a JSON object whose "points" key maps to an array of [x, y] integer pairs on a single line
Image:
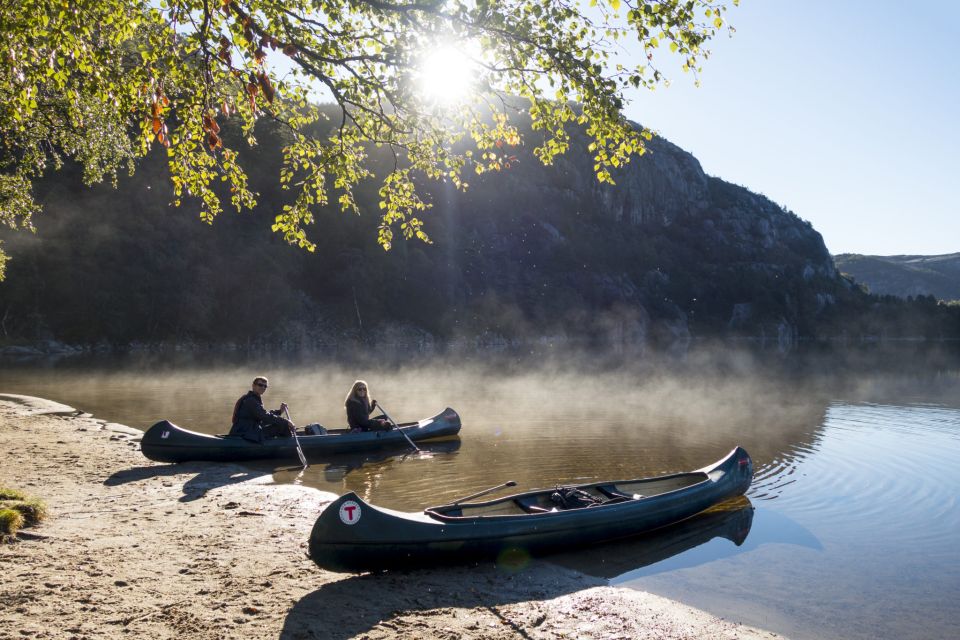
{"points": [[530, 253]]}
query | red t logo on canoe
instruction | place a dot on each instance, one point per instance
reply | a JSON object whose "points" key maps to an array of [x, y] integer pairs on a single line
{"points": [[350, 512]]}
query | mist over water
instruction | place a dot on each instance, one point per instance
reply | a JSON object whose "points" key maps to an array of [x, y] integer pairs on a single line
{"points": [[851, 525]]}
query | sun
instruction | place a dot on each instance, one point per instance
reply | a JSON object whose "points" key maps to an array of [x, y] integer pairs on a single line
{"points": [[446, 75]]}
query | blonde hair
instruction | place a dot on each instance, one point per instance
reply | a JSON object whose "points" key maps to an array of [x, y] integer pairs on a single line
{"points": [[353, 393]]}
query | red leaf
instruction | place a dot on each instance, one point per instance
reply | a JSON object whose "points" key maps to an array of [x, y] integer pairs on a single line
{"points": [[210, 124], [268, 91]]}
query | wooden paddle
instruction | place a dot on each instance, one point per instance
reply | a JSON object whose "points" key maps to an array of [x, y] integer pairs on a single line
{"points": [[296, 440], [397, 427], [508, 483]]}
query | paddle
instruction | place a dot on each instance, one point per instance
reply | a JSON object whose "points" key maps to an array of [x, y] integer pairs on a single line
{"points": [[508, 483], [397, 427], [296, 440]]}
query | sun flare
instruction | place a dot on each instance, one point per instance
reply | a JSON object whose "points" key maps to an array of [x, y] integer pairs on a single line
{"points": [[446, 75]]}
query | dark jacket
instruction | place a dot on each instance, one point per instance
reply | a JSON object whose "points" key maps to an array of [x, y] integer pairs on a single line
{"points": [[249, 416], [358, 414]]}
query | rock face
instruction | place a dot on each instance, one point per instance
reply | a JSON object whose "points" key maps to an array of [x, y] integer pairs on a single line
{"points": [[657, 188], [683, 250], [903, 276], [666, 254]]}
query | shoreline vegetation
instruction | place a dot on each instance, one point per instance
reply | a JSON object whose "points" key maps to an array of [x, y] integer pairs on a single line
{"points": [[426, 345], [131, 548], [17, 511]]}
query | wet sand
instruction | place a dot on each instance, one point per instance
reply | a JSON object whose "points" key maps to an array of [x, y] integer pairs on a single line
{"points": [[133, 548]]}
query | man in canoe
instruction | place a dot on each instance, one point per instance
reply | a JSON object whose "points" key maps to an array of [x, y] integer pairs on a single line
{"points": [[252, 422], [359, 407]]}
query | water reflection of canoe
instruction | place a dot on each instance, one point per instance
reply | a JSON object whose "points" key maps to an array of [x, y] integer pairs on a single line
{"points": [[338, 466], [731, 520], [166, 442], [351, 535]]}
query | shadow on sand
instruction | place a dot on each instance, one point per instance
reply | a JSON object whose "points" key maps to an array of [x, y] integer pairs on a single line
{"points": [[355, 605], [208, 475], [211, 475]]}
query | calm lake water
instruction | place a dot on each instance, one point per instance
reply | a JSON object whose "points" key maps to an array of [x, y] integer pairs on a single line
{"points": [[851, 529]]}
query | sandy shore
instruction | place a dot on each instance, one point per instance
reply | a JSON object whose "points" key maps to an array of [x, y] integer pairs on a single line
{"points": [[136, 549]]}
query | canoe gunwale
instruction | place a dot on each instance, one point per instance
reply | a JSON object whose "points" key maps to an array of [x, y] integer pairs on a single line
{"points": [[437, 513], [518, 497]]}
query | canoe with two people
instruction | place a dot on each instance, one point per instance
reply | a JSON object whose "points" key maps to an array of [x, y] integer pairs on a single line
{"points": [[257, 433]]}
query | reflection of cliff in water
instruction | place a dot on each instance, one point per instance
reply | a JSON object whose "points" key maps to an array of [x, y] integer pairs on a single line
{"points": [[543, 419], [568, 428]]}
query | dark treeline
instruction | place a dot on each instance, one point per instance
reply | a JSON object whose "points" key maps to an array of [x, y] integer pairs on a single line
{"points": [[534, 251]]}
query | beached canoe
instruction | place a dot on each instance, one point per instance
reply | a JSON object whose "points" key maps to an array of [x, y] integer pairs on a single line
{"points": [[351, 535], [166, 442]]}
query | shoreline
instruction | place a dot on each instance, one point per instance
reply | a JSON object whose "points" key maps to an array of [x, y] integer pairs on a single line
{"points": [[133, 548]]}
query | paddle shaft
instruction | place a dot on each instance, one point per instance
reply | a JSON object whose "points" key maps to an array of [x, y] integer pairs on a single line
{"points": [[296, 440], [509, 483], [397, 427]]}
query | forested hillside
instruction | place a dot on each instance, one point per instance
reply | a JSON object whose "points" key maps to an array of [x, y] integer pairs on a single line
{"points": [[905, 276], [532, 251]]}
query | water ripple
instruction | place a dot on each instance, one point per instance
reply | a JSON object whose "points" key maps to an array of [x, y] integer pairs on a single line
{"points": [[887, 470]]}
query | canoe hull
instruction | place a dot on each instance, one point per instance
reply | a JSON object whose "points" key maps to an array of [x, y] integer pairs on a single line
{"points": [[166, 442], [353, 536]]}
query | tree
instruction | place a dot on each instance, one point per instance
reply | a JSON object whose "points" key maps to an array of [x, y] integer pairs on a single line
{"points": [[101, 82]]}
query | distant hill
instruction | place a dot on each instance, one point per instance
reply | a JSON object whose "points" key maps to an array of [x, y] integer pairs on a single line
{"points": [[905, 276]]}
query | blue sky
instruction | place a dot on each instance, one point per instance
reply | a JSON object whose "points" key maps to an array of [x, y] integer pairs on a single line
{"points": [[845, 112]]}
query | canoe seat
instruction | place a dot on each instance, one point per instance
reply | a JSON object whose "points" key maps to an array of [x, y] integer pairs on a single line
{"points": [[528, 506], [615, 495]]}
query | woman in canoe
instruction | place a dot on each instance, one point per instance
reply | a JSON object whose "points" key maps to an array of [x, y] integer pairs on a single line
{"points": [[359, 407]]}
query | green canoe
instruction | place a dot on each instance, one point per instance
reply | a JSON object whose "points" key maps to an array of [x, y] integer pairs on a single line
{"points": [[351, 535], [166, 442]]}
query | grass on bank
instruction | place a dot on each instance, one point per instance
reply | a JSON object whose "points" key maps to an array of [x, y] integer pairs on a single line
{"points": [[18, 510]]}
